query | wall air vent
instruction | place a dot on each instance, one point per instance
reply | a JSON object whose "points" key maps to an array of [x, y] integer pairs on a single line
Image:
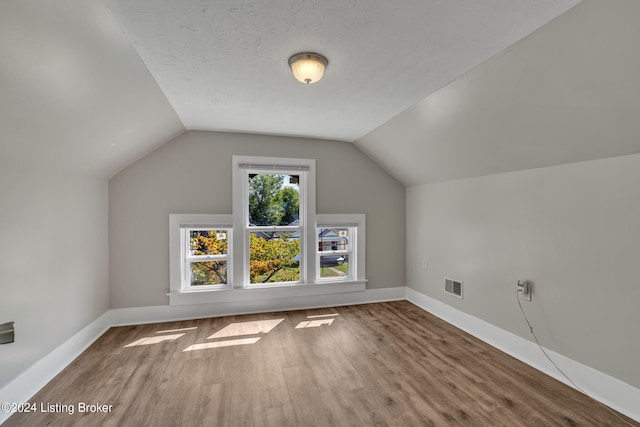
{"points": [[453, 287]]}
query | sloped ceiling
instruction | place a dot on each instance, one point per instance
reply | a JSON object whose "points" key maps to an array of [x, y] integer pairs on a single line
{"points": [[93, 85], [569, 92], [74, 93]]}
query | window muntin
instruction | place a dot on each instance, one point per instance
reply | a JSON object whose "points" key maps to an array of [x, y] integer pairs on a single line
{"points": [[206, 257], [334, 255], [274, 223]]}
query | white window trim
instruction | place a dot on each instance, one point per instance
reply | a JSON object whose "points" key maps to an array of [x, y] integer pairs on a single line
{"points": [[240, 164], [177, 223], [239, 253], [357, 221]]}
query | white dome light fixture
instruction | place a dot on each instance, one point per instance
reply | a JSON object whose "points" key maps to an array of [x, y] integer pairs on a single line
{"points": [[308, 67]]}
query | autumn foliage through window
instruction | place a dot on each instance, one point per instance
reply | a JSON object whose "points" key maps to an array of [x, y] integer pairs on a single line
{"points": [[208, 252]]}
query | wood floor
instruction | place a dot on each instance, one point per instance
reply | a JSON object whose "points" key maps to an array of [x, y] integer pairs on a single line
{"points": [[387, 364]]}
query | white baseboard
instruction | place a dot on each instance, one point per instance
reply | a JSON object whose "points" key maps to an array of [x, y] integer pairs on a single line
{"points": [[611, 391], [168, 313], [29, 382]]}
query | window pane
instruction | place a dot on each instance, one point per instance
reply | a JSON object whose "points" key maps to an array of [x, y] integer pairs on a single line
{"points": [[274, 199], [334, 266], [274, 257], [208, 242], [333, 239], [208, 273]]}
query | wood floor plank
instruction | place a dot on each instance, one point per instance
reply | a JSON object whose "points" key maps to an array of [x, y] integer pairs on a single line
{"points": [[386, 364]]}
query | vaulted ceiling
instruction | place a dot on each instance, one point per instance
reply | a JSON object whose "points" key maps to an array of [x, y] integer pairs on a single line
{"points": [[223, 64], [426, 88]]}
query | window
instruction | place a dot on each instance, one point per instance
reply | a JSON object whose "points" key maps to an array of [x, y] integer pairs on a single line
{"points": [[200, 252], [206, 257], [274, 225], [273, 204], [335, 252], [340, 247]]}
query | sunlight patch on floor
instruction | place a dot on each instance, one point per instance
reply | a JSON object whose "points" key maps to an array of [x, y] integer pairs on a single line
{"points": [[176, 330], [314, 323], [154, 340], [226, 343], [246, 328], [232, 330]]}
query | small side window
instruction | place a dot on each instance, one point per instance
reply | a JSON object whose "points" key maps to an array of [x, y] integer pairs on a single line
{"points": [[334, 257], [200, 253], [340, 248], [207, 264]]}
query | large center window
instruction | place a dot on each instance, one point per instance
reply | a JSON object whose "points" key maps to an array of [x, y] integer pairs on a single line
{"points": [[274, 212], [275, 227]]}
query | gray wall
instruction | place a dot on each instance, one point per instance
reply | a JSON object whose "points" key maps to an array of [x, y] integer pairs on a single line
{"points": [[192, 174], [573, 230], [53, 259]]}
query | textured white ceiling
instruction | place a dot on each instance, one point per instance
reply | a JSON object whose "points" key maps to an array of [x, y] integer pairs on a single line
{"points": [[223, 64]]}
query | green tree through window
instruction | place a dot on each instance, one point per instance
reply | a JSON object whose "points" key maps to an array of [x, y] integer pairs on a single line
{"points": [[274, 201]]}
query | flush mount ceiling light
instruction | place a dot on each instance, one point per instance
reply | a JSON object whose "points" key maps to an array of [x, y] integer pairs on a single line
{"points": [[308, 67]]}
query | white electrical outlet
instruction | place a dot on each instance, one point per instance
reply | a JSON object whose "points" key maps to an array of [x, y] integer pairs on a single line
{"points": [[524, 290], [424, 263]]}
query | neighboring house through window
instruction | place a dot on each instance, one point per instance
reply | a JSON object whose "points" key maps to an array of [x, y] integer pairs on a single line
{"points": [[340, 243]]}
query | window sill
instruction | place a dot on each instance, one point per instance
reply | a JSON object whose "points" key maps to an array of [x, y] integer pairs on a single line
{"points": [[273, 292]]}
